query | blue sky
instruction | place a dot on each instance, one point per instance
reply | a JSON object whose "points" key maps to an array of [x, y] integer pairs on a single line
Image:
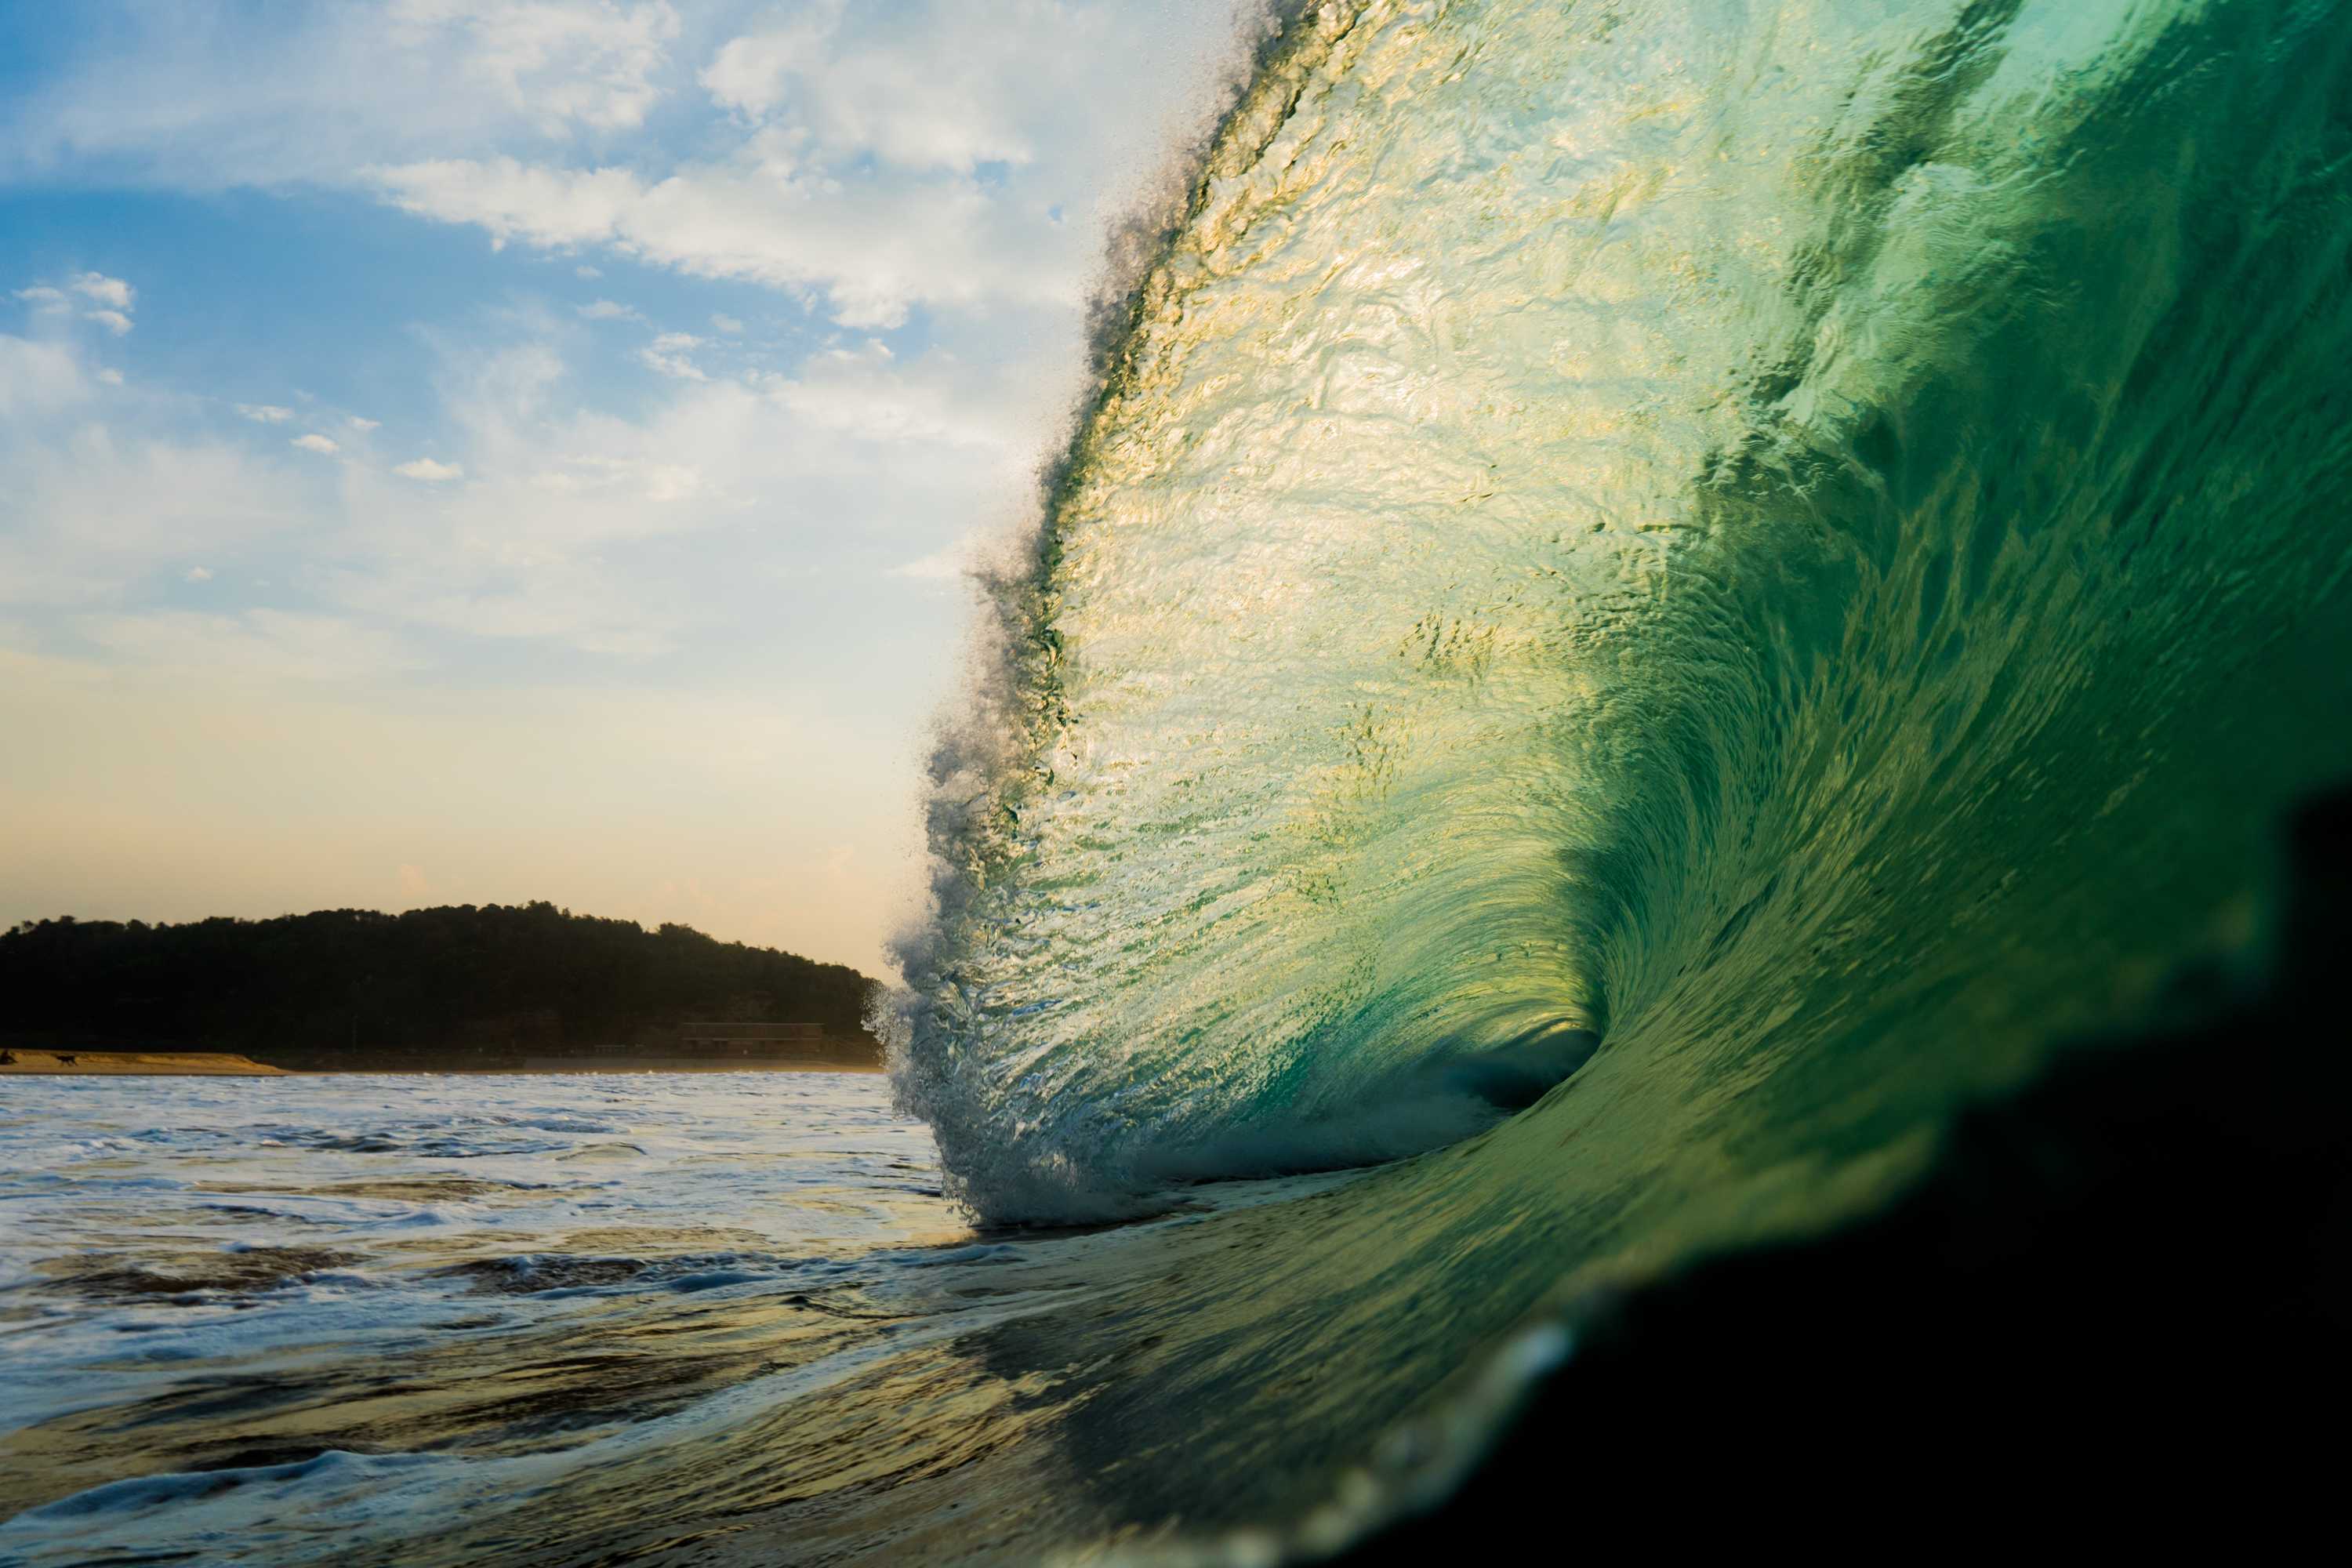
{"points": [[526, 448]]}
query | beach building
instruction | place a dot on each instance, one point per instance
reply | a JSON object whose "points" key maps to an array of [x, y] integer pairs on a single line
{"points": [[720, 1038]]}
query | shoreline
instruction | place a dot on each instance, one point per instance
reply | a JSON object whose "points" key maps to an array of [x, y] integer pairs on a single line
{"points": [[27, 1062], [45, 1063]]}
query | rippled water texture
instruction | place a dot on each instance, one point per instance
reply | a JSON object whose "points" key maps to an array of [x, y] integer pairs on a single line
{"points": [[206, 1274], [416, 1320], [1807, 538]]}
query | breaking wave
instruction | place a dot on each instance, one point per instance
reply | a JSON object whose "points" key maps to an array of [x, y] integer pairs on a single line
{"points": [[1771, 560]]}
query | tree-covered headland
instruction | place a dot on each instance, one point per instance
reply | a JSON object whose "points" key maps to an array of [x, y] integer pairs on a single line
{"points": [[355, 986]]}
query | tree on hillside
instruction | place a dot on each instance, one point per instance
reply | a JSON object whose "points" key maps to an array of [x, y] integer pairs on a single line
{"points": [[345, 980]]}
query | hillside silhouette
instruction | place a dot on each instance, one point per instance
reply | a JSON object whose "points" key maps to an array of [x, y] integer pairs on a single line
{"points": [[356, 986]]}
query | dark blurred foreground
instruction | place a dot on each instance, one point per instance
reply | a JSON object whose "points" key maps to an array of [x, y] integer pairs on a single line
{"points": [[2118, 1308]]}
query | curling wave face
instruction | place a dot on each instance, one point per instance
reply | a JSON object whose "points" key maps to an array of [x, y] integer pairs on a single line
{"points": [[1800, 545]]}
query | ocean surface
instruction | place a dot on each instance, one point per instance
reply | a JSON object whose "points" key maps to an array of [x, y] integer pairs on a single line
{"points": [[452, 1318], [1659, 597]]}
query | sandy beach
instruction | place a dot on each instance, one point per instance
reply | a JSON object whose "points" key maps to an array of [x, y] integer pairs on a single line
{"points": [[150, 1064]]}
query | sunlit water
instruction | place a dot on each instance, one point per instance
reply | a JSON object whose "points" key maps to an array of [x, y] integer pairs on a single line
{"points": [[239, 1272], [435, 1317], [1807, 537], [1806, 543]]}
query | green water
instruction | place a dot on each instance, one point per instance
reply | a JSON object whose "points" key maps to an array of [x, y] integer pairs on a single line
{"points": [[1808, 537]]}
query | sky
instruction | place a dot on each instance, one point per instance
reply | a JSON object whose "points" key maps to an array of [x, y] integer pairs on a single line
{"points": [[464, 451]]}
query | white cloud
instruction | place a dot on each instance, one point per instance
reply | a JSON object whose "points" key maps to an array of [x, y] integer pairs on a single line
{"points": [[38, 378], [316, 442], [609, 311], [853, 165], [586, 272], [199, 575], [675, 365], [749, 74], [849, 165], [93, 514], [950, 95], [875, 250], [553, 62], [669, 356], [831, 194], [620, 536], [364, 426], [864, 394], [111, 377], [543, 207], [112, 296], [108, 291], [208, 95]]}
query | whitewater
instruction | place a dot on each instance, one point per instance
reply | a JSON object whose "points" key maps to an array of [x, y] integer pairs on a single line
{"points": [[1656, 604]]}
